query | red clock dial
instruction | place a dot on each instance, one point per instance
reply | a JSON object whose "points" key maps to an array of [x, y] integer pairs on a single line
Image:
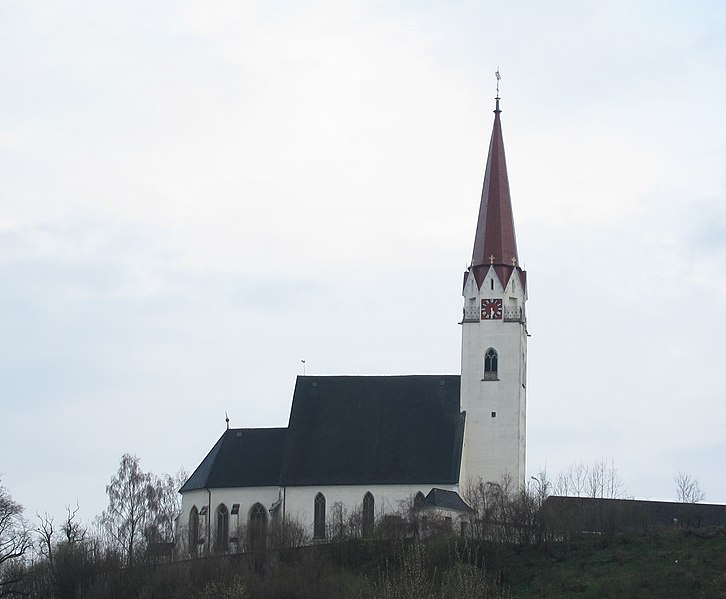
{"points": [[491, 309]]}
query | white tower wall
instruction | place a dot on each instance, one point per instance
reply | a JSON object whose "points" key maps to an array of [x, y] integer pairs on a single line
{"points": [[494, 437]]}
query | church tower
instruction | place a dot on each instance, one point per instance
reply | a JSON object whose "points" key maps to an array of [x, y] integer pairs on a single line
{"points": [[494, 335]]}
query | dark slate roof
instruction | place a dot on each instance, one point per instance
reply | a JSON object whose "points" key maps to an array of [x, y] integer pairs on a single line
{"points": [[243, 457], [448, 500], [586, 514], [367, 430]]}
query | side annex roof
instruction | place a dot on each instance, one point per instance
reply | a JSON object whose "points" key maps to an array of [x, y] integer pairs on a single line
{"points": [[447, 500]]}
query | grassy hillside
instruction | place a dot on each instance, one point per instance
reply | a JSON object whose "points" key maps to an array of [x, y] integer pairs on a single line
{"points": [[663, 564]]}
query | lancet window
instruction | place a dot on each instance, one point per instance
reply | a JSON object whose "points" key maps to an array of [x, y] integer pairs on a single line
{"points": [[222, 537], [319, 517], [491, 365], [257, 528], [193, 530], [369, 505]]}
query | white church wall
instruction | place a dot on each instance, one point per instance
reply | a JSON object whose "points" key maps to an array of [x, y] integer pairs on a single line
{"points": [[298, 503], [213, 498], [388, 499]]}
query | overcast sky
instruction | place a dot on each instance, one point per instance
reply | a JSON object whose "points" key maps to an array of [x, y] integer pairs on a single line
{"points": [[195, 196]]}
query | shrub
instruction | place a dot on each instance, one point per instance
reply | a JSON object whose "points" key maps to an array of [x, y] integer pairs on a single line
{"points": [[234, 589]]}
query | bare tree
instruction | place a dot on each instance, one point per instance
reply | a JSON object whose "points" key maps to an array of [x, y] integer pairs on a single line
{"points": [[541, 488], [45, 532], [603, 480], [688, 489], [125, 518], [337, 527], [501, 511], [571, 482], [74, 531], [14, 541], [289, 533], [483, 497], [599, 481], [141, 509], [69, 560], [164, 505]]}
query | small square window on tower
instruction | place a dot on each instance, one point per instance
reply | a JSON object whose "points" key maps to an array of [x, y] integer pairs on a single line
{"points": [[494, 414]]}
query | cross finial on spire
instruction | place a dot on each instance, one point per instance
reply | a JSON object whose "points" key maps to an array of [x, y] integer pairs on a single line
{"points": [[491, 259], [499, 77]]}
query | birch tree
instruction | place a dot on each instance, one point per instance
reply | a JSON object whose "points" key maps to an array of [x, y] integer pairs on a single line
{"points": [[125, 518]]}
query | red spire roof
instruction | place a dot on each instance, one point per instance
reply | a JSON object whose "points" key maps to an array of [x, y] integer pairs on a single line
{"points": [[495, 242]]}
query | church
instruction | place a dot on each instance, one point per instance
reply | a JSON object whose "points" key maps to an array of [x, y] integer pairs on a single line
{"points": [[372, 444]]}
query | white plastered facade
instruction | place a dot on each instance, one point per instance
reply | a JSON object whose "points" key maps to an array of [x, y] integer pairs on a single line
{"points": [[212, 499], [389, 499], [290, 504], [495, 406]]}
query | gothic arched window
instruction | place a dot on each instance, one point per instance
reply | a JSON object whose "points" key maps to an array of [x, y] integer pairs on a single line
{"points": [[369, 505], [257, 529], [491, 364], [193, 530], [319, 517], [222, 537]]}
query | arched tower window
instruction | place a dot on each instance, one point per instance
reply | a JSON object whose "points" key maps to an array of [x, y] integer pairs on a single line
{"points": [[193, 530], [257, 528], [491, 364], [222, 537], [369, 505], [319, 517]]}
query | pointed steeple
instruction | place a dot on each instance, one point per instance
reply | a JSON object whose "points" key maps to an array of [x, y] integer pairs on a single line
{"points": [[494, 335], [495, 242]]}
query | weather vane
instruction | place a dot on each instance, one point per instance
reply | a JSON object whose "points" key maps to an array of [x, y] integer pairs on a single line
{"points": [[499, 77]]}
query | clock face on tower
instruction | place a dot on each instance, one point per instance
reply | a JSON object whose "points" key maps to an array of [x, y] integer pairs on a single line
{"points": [[491, 309]]}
